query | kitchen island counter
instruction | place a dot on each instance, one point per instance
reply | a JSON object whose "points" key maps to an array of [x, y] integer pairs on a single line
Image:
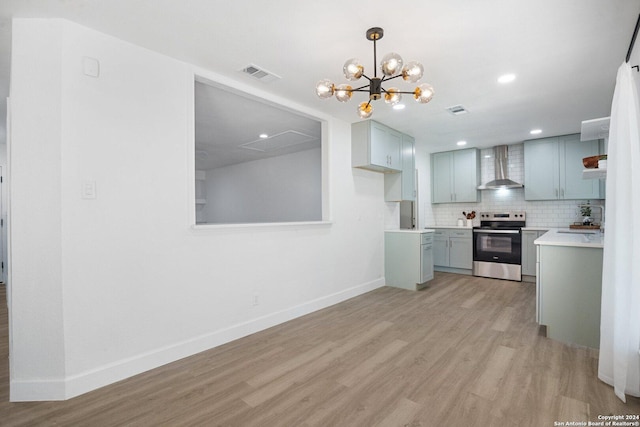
{"points": [[536, 228], [450, 227], [569, 285], [571, 238], [416, 231]]}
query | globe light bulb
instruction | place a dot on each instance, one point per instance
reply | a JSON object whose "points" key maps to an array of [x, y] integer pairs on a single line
{"points": [[325, 89], [365, 110], [353, 69], [391, 64], [343, 93], [423, 93], [413, 71], [391, 96]]}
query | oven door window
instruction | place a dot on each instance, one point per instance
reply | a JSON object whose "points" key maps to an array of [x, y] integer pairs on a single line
{"points": [[504, 248]]}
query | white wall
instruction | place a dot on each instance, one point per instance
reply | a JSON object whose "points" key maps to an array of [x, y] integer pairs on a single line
{"points": [[276, 189], [101, 289], [634, 59]]}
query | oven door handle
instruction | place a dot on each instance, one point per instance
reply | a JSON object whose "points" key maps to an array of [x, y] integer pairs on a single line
{"points": [[497, 231]]}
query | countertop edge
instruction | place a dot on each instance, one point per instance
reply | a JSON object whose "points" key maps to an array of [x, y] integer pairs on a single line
{"points": [[416, 231], [556, 237], [453, 227]]}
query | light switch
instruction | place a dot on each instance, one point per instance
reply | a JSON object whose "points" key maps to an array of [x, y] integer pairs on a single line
{"points": [[91, 66], [89, 190]]}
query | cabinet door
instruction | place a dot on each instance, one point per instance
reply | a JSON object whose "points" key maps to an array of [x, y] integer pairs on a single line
{"points": [[408, 168], [441, 248], [379, 145], [572, 185], [375, 146], [529, 252], [401, 186], [460, 252], [541, 169], [393, 149], [465, 175], [426, 263], [441, 172]]}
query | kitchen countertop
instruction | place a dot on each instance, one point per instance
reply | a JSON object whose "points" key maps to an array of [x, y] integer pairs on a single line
{"points": [[450, 226], [536, 228], [416, 231], [572, 238]]}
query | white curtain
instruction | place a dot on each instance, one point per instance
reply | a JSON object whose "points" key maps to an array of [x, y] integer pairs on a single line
{"points": [[619, 363]]}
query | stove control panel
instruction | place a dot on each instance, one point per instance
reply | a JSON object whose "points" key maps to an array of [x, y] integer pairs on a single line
{"points": [[502, 216]]}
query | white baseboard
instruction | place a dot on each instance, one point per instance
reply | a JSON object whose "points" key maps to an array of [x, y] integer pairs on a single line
{"points": [[66, 388]]}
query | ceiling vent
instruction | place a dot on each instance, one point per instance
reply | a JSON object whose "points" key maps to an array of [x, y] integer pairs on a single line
{"points": [[260, 73], [279, 141], [456, 110]]}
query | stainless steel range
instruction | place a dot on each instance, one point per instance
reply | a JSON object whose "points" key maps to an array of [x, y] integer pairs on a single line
{"points": [[497, 245]]}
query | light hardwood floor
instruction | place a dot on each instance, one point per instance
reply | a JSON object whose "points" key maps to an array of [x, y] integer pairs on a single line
{"points": [[465, 351]]}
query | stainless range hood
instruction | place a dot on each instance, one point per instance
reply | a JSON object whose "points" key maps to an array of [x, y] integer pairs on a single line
{"points": [[501, 159]]}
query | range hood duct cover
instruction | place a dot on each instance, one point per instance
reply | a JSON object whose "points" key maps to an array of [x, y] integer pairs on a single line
{"points": [[501, 163]]}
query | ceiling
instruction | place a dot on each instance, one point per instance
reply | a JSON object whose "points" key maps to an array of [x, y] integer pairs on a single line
{"points": [[228, 125], [564, 54]]}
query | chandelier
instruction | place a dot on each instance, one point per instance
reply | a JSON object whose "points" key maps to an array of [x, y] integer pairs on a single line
{"points": [[391, 67]]}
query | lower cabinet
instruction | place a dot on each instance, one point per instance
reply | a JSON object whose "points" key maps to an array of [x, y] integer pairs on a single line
{"points": [[569, 289], [529, 252], [453, 250], [408, 258]]}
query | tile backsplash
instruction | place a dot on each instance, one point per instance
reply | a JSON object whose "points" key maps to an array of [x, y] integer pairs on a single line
{"points": [[544, 213]]}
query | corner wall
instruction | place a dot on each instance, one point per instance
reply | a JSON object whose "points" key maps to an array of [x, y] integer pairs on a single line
{"points": [[107, 287]]}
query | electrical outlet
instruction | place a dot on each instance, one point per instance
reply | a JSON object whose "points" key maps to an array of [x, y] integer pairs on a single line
{"points": [[256, 299], [88, 189]]}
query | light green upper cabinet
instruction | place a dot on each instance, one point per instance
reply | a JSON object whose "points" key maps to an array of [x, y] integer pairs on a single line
{"points": [[574, 151], [553, 169], [455, 176], [402, 186], [408, 168], [376, 147]]}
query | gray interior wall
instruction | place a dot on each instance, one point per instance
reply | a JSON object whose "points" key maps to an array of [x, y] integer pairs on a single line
{"points": [[278, 189]]}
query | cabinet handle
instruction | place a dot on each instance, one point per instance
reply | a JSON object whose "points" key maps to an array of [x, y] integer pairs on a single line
{"points": [[562, 193]]}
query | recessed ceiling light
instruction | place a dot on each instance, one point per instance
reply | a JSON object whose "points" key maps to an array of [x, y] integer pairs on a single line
{"points": [[535, 131], [506, 78], [399, 107], [264, 136], [461, 143], [487, 156]]}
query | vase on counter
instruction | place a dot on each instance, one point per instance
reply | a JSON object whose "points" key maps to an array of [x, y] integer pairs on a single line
{"points": [[469, 223], [587, 220]]}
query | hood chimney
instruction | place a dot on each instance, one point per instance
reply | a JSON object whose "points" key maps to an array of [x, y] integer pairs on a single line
{"points": [[501, 180]]}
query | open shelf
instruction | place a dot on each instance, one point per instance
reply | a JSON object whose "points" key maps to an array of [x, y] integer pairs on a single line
{"points": [[594, 173]]}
